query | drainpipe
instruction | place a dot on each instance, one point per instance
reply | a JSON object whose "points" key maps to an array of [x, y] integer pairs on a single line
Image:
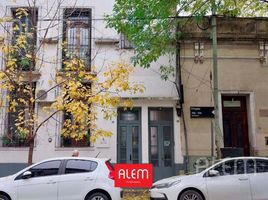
{"points": [[179, 88]]}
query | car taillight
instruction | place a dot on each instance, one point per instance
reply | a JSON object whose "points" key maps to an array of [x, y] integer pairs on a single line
{"points": [[111, 170]]}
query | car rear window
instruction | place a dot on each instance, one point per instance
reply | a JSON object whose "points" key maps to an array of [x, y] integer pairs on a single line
{"points": [[80, 166]]}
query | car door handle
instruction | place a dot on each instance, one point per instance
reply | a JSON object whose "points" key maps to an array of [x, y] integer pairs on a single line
{"points": [[51, 182], [243, 179], [88, 179]]}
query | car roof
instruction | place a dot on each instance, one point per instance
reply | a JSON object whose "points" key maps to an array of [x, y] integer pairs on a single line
{"points": [[77, 158], [244, 158]]}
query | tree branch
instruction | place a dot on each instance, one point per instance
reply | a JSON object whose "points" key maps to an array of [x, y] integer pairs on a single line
{"points": [[49, 90], [42, 123]]}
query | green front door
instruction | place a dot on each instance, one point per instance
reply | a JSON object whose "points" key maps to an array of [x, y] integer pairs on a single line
{"points": [[129, 136], [161, 142]]}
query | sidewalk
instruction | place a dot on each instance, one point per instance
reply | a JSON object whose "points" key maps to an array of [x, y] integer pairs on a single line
{"points": [[136, 195]]}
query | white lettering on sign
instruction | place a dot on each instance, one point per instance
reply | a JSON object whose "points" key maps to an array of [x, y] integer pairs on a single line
{"points": [[133, 174]]}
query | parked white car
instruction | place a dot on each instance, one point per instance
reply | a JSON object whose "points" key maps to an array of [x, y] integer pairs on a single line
{"points": [[243, 178], [70, 178]]}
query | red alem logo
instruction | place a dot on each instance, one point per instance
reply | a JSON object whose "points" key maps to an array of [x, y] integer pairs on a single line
{"points": [[134, 175]]}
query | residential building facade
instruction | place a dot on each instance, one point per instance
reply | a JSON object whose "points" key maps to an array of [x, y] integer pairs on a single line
{"points": [[243, 73], [149, 133]]}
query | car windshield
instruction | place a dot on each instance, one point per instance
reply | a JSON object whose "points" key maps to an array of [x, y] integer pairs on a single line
{"points": [[202, 164]]}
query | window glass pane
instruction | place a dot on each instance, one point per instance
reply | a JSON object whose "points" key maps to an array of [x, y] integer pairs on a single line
{"points": [[71, 142], [77, 34], [123, 143], [251, 166], [154, 146], [23, 25], [123, 154], [240, 166], [232, 104], [46, 169], [262, 166], [135, 144], [167, 145], [231, 167], [123, 136], [161, 115], [80, 166], [125, 43], [132, 115], [259, 166], [13, 133]]}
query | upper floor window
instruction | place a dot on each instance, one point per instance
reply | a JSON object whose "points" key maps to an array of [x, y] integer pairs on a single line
{"points": [[24, 35], [13, 136], [72, 142], [77, 35], [70, 120], [125, 43]]}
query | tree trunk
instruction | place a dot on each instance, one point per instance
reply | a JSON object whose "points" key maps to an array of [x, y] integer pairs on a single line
{"points": [[32, 89], [30, 153]]}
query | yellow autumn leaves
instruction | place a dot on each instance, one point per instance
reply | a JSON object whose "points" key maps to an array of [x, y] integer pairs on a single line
{"points": [[85, 95]]}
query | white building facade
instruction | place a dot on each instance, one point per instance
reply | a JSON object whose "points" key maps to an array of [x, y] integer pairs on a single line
{"points": [[149, 133]]}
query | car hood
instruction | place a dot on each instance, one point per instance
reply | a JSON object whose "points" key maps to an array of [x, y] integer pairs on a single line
{"points": [[175, 178], [166, 180]]}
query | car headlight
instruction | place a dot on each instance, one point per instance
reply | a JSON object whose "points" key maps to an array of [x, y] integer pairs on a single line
{"points": [[166, 185]]}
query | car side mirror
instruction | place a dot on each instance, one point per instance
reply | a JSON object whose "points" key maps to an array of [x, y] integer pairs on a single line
{"points": [[26, 175], [213, 173]]}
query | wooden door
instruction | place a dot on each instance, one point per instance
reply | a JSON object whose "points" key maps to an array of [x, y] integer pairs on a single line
{"points": [[235, 123]]}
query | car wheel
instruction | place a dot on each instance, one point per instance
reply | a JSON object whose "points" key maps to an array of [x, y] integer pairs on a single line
{"points": [[191, 195], [3, 197], [97, 196]]}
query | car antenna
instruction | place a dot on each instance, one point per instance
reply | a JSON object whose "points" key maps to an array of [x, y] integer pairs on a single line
{"points": [[97, 155]]}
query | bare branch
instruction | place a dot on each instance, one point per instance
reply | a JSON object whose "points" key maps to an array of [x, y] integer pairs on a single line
{"points": [[50, 90], [42, 123]]}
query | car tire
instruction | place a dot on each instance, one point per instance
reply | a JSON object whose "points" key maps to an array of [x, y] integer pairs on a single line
{"points": [[98, 196], [3, 197], [191, 195]]}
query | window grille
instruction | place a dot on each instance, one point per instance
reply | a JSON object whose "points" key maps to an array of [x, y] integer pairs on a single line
{"points": [[12, 137], [77, 35], [25, 24], [125, 43], [68, 141]]}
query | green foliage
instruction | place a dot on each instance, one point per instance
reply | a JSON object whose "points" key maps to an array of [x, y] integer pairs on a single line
{"points": [[166, 71], [6, 140], [151, 25], [24, 63]]}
